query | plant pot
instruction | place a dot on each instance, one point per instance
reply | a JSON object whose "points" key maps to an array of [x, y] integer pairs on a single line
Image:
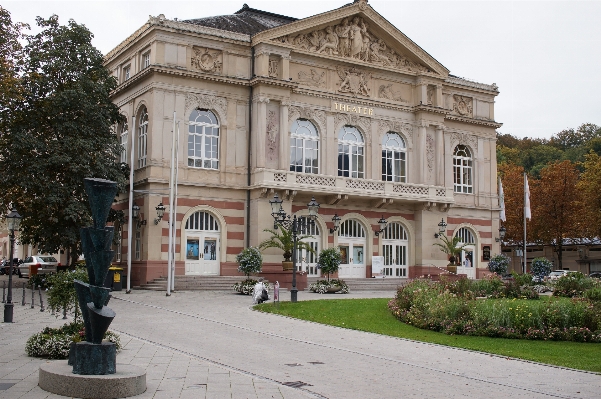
{"points": [[452, 269], [335, 288], [287, 266]]}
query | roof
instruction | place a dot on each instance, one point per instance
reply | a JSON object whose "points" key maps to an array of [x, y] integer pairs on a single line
{"points": [[249, 21]]}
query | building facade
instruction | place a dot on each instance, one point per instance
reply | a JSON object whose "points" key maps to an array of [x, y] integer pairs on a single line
{"points": [[340, 106]]}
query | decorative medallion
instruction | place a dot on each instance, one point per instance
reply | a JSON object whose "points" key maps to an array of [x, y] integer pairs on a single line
{"points": [[462, 105], [207, 60]]}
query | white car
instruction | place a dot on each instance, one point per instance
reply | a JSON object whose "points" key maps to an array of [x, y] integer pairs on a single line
{"points": [[44, 263], [555, 274]]}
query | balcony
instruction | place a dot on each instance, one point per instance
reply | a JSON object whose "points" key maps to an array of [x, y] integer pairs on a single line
{"points": [[325, 184]]}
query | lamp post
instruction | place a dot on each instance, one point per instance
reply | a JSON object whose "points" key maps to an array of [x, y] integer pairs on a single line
{"points": [[382, 222], [502, 231], [14, 223], [295, 226], [442, 226]]}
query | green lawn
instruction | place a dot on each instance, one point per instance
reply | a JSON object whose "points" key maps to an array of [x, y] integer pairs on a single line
{"points": [[372, 315]]}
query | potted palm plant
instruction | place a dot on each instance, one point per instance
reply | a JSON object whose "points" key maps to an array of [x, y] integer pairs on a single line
{"points": [[283, 240], [452, 247]]}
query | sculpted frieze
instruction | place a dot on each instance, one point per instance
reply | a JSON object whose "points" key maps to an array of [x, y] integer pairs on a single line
{"points": [[465, 139], [463, 105], [318, 116], [354, 81], [203, 101], [312, 78], [405, 129], [207, 60], [353, 39], [354, 120], [387, 92]]}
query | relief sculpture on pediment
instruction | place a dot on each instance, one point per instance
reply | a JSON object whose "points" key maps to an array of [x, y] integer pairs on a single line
{"points": [[351, 38], [207, 60], [387, 92]]}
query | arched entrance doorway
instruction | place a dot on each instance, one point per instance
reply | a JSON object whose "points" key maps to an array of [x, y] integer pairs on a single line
{"points": [[352, 243], [394, 249], [468, 253], [306, 261], [202, 244]]}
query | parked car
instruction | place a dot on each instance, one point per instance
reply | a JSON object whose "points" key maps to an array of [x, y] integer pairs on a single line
{"points": [[555, 274], [5, 266], [44, 263], [595, 275]]}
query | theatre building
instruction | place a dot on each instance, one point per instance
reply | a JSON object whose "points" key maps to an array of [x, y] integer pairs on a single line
{"points": [[340, 106]]}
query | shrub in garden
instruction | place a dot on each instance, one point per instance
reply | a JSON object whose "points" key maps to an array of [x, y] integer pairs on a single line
{"points": [[541, 267], [329, 260], [594, 294], [249, 261], [498, 264], [247, 286], [523, 279], [573, 285], [54, 343], [61, 291], [38, 280], [321, 286]]}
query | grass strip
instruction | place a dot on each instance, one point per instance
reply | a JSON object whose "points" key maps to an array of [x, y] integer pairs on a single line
{"points": [[372, 315]]}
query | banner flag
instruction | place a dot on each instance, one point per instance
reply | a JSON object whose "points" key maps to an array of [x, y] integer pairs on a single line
{"points": [[502, 201], [527, 213]]}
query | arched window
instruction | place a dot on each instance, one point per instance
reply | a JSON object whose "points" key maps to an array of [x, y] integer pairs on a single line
{"points": [[123, 136], [394, 158], [203, 140], [462, 169], [351, 228], [465, 235], [142, 138], [202, 221], [350, 152], [304, 147]]}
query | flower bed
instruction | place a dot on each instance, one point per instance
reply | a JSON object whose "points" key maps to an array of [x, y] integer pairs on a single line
{"points": [[247, 286], [451, 308], [323, 286]]}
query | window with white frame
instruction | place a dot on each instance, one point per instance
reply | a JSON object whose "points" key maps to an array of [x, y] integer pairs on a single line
{"points": [[350, 152], [123, 136], [145, 60], [203, 140], [465, 235], [126, 72], [462, 169], [142, 138], [304, 147], [394, 158]]}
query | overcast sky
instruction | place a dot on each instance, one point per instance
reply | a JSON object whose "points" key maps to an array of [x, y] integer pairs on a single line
{"points": [[544, 56]]}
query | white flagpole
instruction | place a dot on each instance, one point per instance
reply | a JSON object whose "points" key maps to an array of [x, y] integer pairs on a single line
{"points": [[527, 215], [502, 215], [169, 254], [131, 203], [175, 209]]}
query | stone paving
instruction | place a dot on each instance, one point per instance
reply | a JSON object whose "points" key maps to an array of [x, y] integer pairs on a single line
{"points": [[213, 345]]}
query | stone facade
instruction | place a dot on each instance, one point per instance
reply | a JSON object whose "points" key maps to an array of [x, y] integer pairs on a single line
{"points": [[375, 125]]}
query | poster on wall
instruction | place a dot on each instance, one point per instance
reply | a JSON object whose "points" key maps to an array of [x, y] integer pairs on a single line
{"points": [[486, 253], [192, 250]]}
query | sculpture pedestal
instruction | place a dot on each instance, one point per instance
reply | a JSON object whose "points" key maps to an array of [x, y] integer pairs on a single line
{"points": [[93, 359], [57, 377]]}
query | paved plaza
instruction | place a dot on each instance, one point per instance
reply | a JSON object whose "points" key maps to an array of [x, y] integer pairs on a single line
{"points": [[203, 344]]}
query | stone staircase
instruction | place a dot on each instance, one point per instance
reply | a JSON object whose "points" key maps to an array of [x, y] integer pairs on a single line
{"points": [[224, 283]]}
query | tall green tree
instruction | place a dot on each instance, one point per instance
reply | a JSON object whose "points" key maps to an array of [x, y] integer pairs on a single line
{"points": [[57, 133], [10, 56]]}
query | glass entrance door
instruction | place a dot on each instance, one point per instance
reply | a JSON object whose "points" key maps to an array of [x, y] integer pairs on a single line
{"points": [[353, 260], [395, 260]]}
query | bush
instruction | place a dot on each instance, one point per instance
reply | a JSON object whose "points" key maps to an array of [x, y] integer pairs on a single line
{"points": [[329, 260], [523, 279], [573, 285], [247, 286], [498, 264], [38, 280], [54, 343], [249, 261], [541, 267], [61, 291], [594, 294]]}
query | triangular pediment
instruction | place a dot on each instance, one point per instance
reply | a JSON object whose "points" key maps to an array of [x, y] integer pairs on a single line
{"points": [[354, 33]]}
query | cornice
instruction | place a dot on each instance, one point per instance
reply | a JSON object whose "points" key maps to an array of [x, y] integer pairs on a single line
{"points": [[431, 109], [359, 101], [257, 80], [472, 84], [480, 122]]}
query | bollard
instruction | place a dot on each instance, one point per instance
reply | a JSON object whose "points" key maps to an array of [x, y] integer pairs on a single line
{"points": [[64, 313], [32, 296], [23, 300], [3, 292], [41, 300]]}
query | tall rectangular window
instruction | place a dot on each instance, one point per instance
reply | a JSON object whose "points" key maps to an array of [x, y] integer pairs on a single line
{"points": [[138, 245], [126, 73], [145, 60], [124, 135], [142, 139]]}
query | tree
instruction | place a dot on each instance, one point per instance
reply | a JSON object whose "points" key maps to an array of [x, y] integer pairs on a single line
{"points": [[57, 133], [590, 188], [512, 177], [284, 241], [556, 206], [249, 261], [10, 56]]}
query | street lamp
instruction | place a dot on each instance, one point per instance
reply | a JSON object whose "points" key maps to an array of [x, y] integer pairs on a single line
{"points": [[382, 222], [336, 221], [160, 212], [295, 226], [135, 213], [502, 231], [14, 223], [442, 226]]}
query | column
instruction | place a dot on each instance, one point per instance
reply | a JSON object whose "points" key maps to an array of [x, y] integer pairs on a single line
{"points": [[286, 67], [438, 97], [421, 152], [284, 136], [262, 64]]}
